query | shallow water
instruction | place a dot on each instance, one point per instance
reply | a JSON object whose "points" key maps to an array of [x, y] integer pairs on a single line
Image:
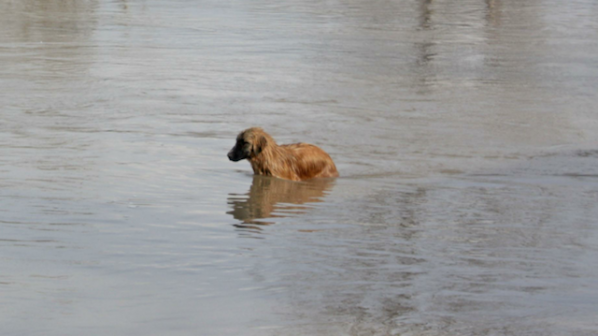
{"points": [[465, 133]]}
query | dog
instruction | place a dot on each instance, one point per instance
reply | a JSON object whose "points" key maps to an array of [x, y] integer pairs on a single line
{"points": [[296, 162]]}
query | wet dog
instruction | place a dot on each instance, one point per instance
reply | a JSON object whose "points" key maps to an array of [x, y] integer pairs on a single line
{"points": [[295, 162]]}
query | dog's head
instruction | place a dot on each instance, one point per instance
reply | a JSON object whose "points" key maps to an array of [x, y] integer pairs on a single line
{"points": [[250, 143]]}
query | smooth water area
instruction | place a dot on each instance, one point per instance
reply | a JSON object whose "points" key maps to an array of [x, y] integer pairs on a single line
{"points": [[465, 132]]}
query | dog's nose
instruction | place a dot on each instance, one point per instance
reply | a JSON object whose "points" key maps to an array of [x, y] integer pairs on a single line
{"points": [[230, 156]]}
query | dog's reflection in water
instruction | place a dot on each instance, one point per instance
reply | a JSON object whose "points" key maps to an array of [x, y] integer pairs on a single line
{"points": [[271, 197]]}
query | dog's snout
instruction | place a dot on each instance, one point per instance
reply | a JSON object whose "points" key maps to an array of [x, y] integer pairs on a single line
{"points": [[233, 156]]}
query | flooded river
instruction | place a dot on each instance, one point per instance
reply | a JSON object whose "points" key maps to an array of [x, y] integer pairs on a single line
{"points": [[465, 133]]}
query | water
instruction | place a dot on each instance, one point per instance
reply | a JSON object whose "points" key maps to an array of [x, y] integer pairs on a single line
{"points": [[465, 133]]}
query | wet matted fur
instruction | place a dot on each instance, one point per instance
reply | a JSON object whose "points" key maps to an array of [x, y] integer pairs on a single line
{"points": [[295, 162]]}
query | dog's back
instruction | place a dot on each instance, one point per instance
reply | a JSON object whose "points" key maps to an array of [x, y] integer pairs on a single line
{"points": [[311, 161]]}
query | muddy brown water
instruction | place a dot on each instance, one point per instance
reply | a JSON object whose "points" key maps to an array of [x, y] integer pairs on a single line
{"points": [[465, 132]]}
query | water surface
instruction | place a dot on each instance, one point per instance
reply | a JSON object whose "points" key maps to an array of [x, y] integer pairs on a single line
{"points": [[465, 133]]}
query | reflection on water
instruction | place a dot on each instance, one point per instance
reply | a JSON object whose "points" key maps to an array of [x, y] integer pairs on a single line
{"points": [[48, 21], [465, 132], [271, 197]]}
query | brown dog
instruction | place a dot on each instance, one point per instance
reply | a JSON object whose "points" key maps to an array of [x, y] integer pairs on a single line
{"points": [[295, 162]]}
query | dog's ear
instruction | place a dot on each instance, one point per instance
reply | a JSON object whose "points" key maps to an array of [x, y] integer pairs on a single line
{"points": [[259, 145]]}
